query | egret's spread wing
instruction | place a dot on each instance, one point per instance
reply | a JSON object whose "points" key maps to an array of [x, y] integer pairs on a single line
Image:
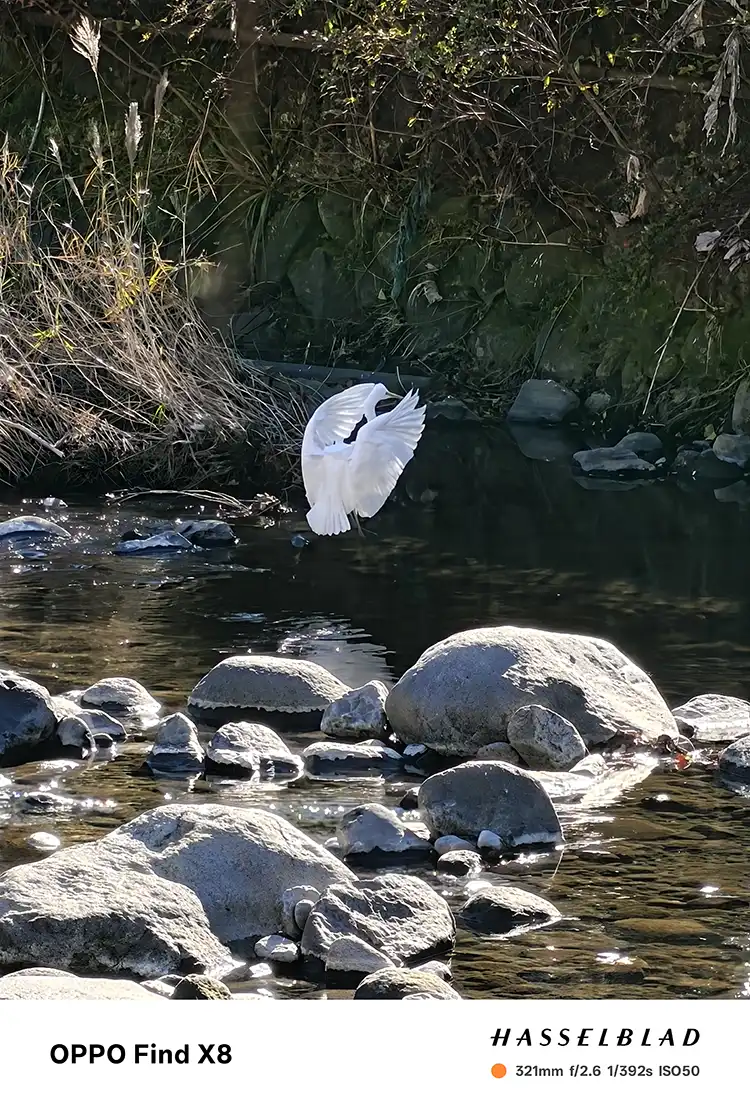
{"points": [[332, 422], [380, 452], [337, 417]]}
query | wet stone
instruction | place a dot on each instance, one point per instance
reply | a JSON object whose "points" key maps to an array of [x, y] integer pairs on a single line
{"points": [[735, 760], [544, 739], [251, 748], [358, 714], [329, 759], [459, 862], [373, 828], [158, 544], [500, 910], [207, 532], [176, 748]]}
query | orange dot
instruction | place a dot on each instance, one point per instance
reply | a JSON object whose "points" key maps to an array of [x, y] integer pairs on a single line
{"points": [[498, 1071]]}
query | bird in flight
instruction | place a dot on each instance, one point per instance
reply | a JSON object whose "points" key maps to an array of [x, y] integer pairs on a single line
{"points": [[344, 478]]}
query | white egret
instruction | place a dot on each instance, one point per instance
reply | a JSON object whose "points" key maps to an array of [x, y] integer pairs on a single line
{"points": [[356, 478]]}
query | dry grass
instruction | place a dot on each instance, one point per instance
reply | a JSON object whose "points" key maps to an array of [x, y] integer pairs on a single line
{"points": [[106, 367]]}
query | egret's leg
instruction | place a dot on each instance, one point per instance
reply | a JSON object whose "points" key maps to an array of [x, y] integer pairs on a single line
{"points": [[360, 532]]}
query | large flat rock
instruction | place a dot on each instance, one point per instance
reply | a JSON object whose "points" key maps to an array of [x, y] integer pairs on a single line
{"points": [[462, 691]]}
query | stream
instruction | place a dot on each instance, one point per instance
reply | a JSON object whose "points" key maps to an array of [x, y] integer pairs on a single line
{"points": [[654, 885]]}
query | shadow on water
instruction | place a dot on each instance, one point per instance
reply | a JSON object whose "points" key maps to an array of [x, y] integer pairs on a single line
{"points": [[654, 888]]}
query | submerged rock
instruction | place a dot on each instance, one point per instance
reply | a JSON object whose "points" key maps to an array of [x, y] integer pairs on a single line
{"points": [[328, 759], [121, 695], [373, 827], [714, 718], [163, 542], [27, 717], [401, 916], [613, 460], [77, 910], [544, 739], [461, 692], [195, 986], [207, 532], [246, 749], [267, 684], [489, 795], [499, 910], [358, 714], [734, 761], [176, 749], [542, 401], [31, 526], [404, 984]]}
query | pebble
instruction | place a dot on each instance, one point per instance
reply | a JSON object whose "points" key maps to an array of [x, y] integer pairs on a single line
{"points": [[45, 843]]}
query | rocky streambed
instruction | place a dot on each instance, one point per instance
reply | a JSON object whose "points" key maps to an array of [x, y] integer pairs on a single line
{"points": [[239, 771]]}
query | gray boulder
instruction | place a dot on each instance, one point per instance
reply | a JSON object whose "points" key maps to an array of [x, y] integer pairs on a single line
{"points": [[27, 718], [251, 748], [500, 910], [461, 692], [734, 761], [78, 910], [544, 739], [277, 947], [373, 827], [404, 984], [350, 954], [400, 916], [267, 684], [323, 760], [120, 695], [714, 718], [176, 750], [489, 796], [48, 984], [238, 861], [358, 714], [733, 449], [543, 401], [612, 461]]}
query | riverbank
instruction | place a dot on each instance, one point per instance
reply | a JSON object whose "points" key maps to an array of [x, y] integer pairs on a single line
{"points": [[585, 232]]}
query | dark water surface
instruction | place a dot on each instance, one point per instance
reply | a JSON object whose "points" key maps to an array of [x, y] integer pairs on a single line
{"points": [[655, 885]]}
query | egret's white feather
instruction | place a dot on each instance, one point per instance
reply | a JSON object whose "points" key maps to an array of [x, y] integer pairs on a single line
{"points": [[331, 423], [356, 478], [380, 453]]}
